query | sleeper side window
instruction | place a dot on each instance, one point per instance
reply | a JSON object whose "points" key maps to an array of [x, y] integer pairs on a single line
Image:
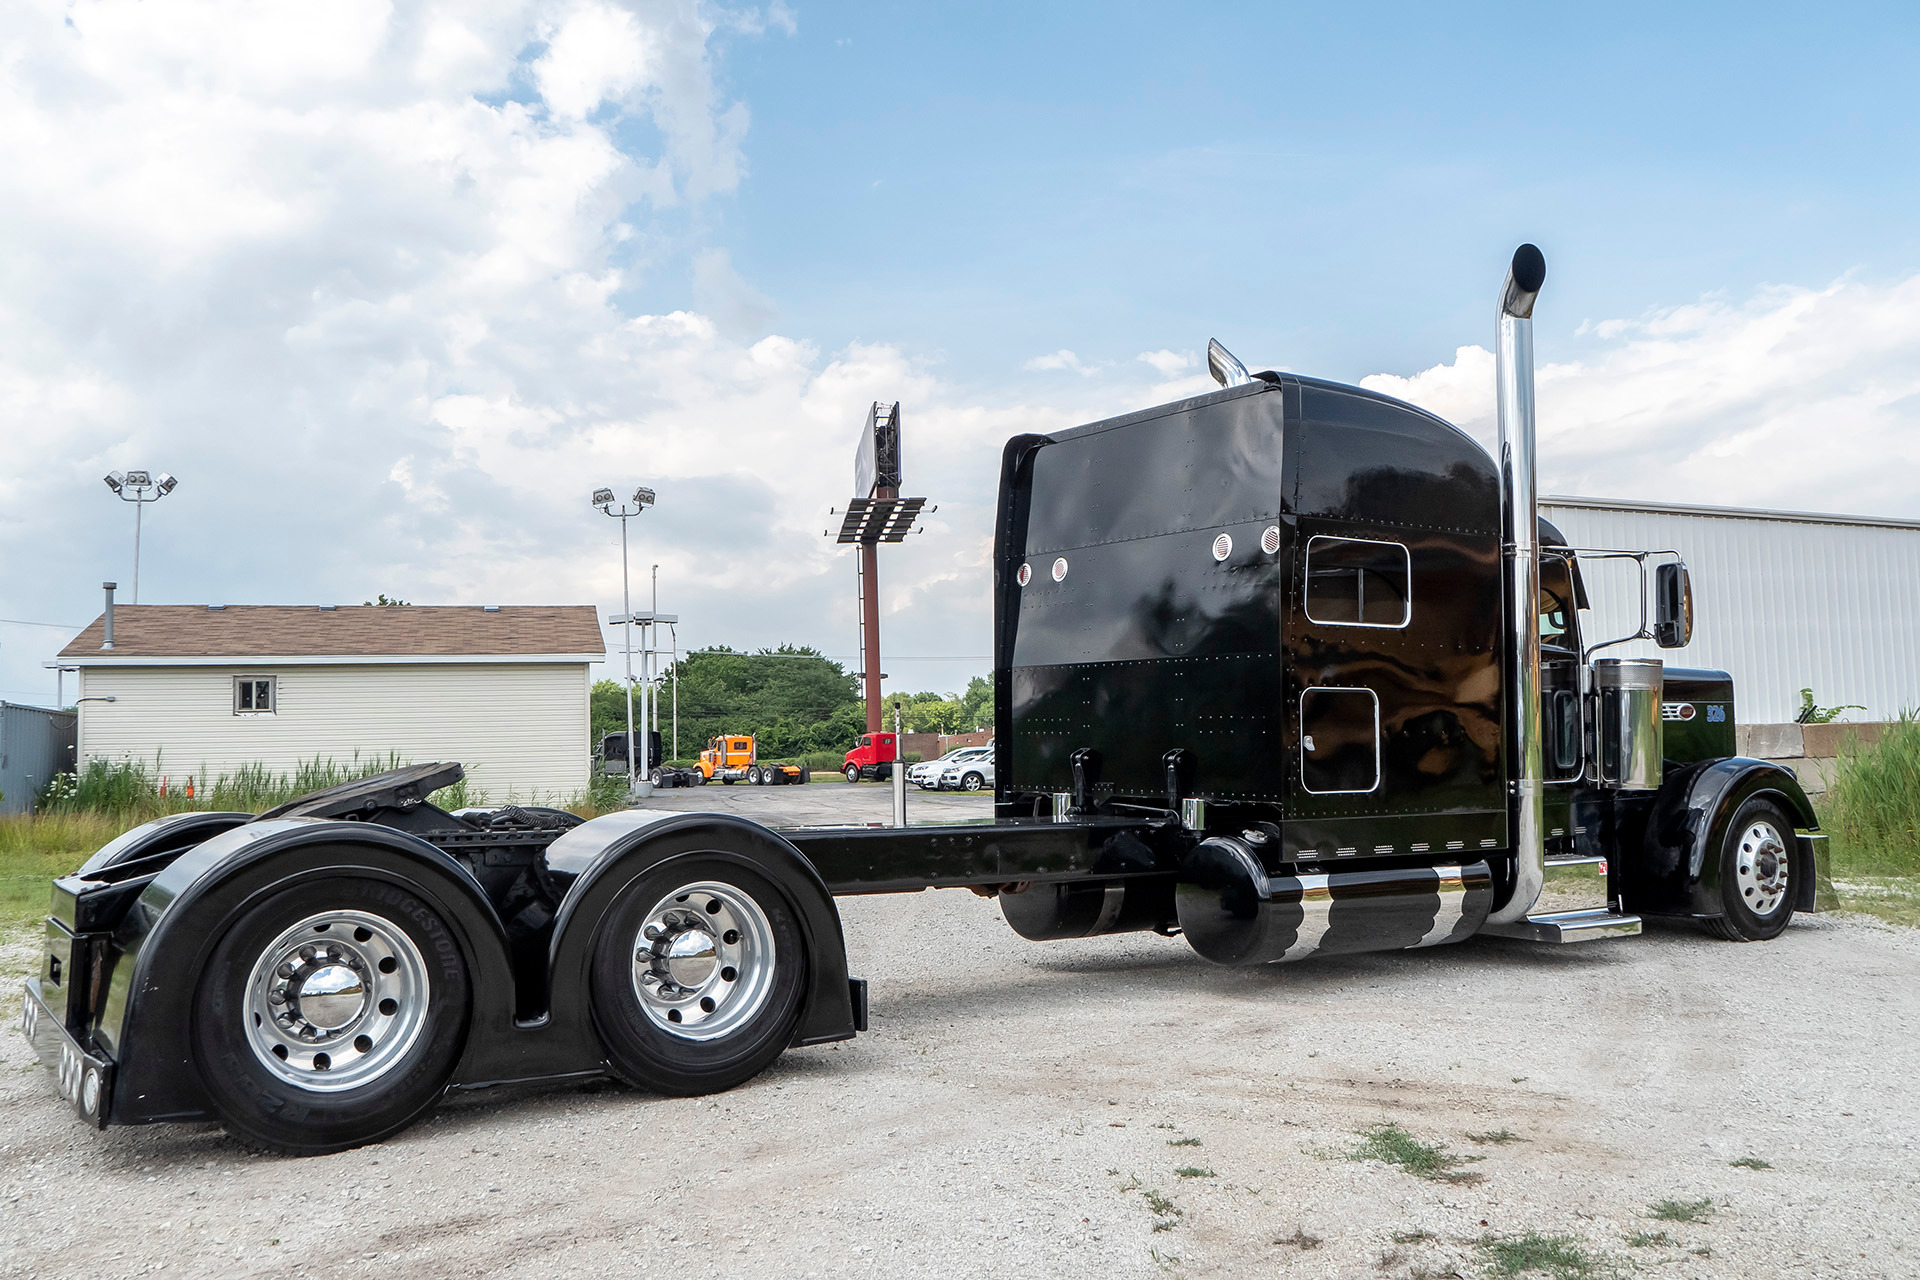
{"points": [[1358, 582], [255, 695]]}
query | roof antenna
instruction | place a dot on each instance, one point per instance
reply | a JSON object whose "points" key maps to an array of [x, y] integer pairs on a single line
{"points": [[1225, 366]]}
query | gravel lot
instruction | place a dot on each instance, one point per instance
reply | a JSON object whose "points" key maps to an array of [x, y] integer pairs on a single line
{"points": [[1014, 1110]]}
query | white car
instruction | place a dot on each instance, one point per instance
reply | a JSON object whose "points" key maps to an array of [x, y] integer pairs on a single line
{"points": [[967, 775], [927, 773]]}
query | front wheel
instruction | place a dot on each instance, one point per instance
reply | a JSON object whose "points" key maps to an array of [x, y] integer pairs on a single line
{"points": [[972, 782], [698, 975], [853, 773], [1756, 874], [654, 777], [330, 1015]]}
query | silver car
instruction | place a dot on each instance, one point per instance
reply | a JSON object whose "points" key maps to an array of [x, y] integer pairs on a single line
{"points": [[967, 775], [927, 773]]}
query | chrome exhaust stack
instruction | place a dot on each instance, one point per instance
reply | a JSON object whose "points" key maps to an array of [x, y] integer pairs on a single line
{"points": [[1513, 373], [1225, 366]]}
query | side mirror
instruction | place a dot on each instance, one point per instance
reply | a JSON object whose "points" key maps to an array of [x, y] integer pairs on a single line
{"points": [[1672, 606]]}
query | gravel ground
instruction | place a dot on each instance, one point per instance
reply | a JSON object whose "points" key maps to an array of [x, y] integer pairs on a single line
{"points": [[1024, 1109]]}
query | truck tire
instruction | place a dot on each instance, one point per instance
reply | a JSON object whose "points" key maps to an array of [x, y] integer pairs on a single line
{"points": [[1756, 874], [753, 775], [806, 775], [698, 976], [330, 1015], [698, 779], [853, 772], [654, 777]]}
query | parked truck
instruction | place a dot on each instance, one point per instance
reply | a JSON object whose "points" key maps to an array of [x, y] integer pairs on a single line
{"points": [[1287, 669], [872, 758]]}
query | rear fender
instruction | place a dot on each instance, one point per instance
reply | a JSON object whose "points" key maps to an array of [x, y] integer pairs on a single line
{"points": [[162, 943], [1689, 824], [602, 857], [176, 831]]}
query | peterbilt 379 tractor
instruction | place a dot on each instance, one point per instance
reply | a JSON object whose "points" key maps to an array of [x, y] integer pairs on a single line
{"points": [[1287, 669]]}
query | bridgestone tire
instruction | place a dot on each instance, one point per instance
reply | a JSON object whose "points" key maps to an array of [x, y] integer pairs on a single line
{"points": [[649, 1057], [852, 772], [262, 1110], [1742, 923]]}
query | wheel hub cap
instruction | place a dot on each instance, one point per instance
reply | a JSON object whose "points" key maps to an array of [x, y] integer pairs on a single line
{"points": [[1760, 869], [328, 998], [703, 962]]}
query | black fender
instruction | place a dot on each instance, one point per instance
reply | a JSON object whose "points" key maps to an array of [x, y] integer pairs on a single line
{"points": [[169, 834], [1679, 874], [146, 1016], [602, 857]]}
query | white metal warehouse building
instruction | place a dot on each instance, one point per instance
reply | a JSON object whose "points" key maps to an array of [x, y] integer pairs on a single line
{"points": [[197, 690], [1783, 600]]}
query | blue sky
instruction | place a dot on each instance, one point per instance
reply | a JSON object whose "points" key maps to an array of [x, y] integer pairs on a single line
{"points": [[1328, 186], [392, 286]]}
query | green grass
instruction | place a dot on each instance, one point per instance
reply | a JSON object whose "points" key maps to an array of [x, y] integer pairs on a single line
{"points": [[34, 850], [1650, 1239], [1183, 1142], [1498, 1137], [1193, 1171], [1390, 1144], [1871, 814], [1413, 1237], [1561, 1257], [1748, 1162], [1681, 1210]]}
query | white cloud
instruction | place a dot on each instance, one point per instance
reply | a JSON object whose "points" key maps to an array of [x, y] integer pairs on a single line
{"points": [[1061, 361], [1168, 364], [1798, 398]]}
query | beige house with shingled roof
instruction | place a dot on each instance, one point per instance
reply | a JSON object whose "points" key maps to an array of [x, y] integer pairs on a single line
{"points": [[201, 690]]}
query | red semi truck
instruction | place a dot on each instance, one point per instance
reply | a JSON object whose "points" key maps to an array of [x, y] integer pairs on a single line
{"points": [[872, 758]]}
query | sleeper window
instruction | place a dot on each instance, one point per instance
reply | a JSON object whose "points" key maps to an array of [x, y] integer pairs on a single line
{"points": [[1339, 740], [255, 695], [1356, 582]]}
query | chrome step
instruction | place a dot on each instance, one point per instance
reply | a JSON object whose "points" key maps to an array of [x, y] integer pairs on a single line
{"points": [[1568, 926]]}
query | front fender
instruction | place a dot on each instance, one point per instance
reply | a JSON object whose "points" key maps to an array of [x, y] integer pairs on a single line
{"points": [[1690, 821], [600, 858], [145, 1018]]}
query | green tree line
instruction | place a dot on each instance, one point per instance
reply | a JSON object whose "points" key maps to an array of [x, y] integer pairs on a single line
{"points": [[793, 699]]}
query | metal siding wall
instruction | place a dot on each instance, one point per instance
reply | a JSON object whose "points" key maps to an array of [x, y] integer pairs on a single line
{"points": [[519, 728], [1782, 605], [35, 744]]}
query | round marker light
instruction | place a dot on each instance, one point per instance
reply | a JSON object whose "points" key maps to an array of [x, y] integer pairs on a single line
{"points": [[1060, 569], [1270, 540], [1025, 575], [90, 1093], [1223, 546]]}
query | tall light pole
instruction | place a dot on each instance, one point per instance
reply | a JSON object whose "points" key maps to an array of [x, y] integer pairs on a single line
{"points": [[139, 488], [611, 506], [653, 654]]}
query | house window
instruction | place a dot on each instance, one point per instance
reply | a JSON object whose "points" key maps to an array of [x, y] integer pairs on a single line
{"points": [[255, 695], [1357, 582]]}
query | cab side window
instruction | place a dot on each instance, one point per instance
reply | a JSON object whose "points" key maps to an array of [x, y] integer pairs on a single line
{"points": [[1358, 582]]}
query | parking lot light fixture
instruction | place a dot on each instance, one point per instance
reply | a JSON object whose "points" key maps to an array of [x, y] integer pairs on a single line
{"points": [[604, 500], [139, 488]]}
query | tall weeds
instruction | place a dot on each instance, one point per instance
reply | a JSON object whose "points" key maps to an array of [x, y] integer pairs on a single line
{"points": [[129, 790], [1873, 807]]}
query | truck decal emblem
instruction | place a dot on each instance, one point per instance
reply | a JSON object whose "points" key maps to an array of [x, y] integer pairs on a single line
{"points": [[1678, 711]]}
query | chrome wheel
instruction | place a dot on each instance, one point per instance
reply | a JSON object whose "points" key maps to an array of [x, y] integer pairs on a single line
{"points": [[703, 961], [1760, 868], [336, 1001], [972, 782]]}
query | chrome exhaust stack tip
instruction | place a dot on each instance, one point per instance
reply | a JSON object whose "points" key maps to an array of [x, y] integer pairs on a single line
{"points": [[1514, 411], [1225, 366]]}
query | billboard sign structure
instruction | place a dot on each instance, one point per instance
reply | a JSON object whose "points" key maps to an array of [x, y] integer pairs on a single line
{"points": [[876, 462]]}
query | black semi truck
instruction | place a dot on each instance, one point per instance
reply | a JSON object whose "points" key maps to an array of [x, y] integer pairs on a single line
{"points": [[1287, 669]]}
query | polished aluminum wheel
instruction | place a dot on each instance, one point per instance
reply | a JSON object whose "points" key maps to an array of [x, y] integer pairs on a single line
{"points": [[1760, 868], [336, 1001], [703, 961]]}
